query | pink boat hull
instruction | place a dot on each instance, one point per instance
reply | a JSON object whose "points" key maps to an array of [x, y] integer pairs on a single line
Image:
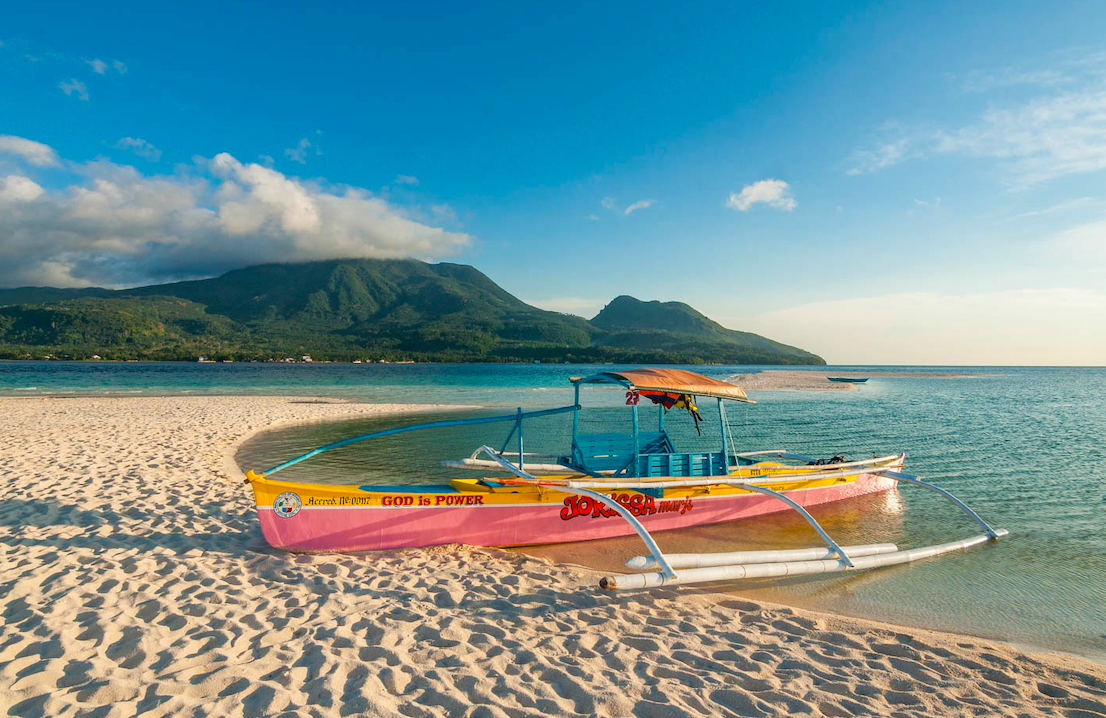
{"points": [[375, 527]]}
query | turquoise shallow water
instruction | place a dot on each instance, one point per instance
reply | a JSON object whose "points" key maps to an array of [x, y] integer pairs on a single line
{"points": [[1025, 449]]}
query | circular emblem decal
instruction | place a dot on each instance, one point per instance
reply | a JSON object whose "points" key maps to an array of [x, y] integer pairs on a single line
{"points": [[287, 505]]}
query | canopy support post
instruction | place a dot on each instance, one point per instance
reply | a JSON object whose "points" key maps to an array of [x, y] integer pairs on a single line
{"points": [[576, 413], [637, 448], [519, 424], [725, 432]]}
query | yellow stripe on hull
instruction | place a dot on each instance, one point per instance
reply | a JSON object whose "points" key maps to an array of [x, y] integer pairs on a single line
{"points": [[474, 492]]}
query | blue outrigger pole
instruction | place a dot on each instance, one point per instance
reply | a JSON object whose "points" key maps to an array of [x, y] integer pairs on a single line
{"points": [[516, 417]]}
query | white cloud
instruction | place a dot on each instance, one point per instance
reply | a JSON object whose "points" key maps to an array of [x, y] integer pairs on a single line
{"points": [[262, 196], [300, 151], [1069, 205], [15, 188], [33, 153], [1069, 67], [1059, 130], [74, 86], [140, 147], [640, 204], [1021, 326], [100, 67], [116, 226], [925, 204], [443, 213], [1040, 140], [580, 306], [772, 192], [407, 179], [608, 202], [885, 155], [984, 81], [1083, 245], [593, 218]]}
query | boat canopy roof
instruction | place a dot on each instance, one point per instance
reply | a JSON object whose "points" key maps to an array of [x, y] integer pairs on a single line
{"points": [[678, 381]]}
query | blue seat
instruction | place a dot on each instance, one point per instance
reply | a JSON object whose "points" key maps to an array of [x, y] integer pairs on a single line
{"points": [[613, 452], [694, 463]]}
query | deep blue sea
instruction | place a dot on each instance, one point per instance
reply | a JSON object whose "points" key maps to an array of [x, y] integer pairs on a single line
{"points": [[1026, 448]]}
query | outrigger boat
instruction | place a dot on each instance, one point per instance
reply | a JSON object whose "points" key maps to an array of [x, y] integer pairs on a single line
{"points": [[848, 379], [608, 484]]}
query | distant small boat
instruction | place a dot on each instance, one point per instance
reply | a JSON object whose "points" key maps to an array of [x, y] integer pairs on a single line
{"points": [[847, 379]]}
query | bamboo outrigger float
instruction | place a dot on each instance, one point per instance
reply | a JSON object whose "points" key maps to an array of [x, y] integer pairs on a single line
{"points": [[607, 485]]}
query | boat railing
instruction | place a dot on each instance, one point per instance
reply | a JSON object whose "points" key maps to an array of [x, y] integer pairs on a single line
{"points": [[780, 453], [517, 417]]}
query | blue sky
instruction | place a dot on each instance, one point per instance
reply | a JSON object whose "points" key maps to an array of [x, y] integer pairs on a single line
{"points": [[923, 183]]}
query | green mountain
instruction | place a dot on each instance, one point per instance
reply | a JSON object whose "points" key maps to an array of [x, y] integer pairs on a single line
{"points": [[344, 309], [130, 328], [630, 323], [41, 295]]}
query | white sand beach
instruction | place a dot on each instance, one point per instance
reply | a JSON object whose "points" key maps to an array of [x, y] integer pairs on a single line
{"points": [[135, 581]]}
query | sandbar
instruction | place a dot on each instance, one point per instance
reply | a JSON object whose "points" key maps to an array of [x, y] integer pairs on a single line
{"points": [[795, 380]]}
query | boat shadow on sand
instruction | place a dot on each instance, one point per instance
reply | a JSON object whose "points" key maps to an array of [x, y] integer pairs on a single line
{"points": [[69, 528], [237, 535], [214, 529], [229, 531]]}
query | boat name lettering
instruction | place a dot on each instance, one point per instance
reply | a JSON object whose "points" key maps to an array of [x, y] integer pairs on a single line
{"points": [[457, 500], [339, 501], [442, 500], [637, 504]]}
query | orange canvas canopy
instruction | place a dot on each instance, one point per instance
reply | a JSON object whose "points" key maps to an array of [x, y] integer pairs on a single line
{"points": [[679, 381]]}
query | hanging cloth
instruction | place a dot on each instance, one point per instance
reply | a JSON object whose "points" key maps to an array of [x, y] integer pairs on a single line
{"points": [[676, 401], [659, 397]]}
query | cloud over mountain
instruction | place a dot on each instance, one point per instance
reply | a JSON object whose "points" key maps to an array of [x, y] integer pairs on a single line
{"points": [[113, 225], [33, 153]]}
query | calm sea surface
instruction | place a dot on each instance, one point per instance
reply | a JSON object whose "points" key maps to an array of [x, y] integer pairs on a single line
{"points": [[1026, 449]]}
